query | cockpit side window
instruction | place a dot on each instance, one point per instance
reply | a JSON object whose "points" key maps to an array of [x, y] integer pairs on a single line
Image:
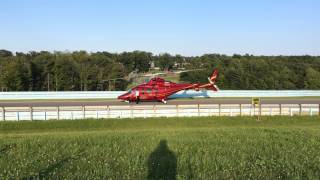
{"points": [[132, 91]]}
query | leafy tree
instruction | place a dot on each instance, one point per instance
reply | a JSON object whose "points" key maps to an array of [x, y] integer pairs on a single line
{"points": [[136, 60], [165, 61], [80, 70], [16, 76], [66, 75], [5, 53], [312, 79]]}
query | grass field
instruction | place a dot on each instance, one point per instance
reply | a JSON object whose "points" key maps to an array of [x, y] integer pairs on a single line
{"points": [[174, 148]]}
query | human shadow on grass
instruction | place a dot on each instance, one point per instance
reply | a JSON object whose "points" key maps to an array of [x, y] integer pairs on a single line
{"points": [[162, 163]]}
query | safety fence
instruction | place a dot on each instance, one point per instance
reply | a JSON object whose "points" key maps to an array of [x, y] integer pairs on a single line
{"points": [[133, 111]]}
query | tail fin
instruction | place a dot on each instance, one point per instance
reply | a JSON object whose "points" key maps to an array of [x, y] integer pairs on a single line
{"points": [[212, 79]]}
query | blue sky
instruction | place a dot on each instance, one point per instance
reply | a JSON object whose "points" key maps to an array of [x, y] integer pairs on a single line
{"points": [[186, 27]]}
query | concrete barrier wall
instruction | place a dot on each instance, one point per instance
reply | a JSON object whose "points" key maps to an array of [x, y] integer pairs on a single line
{"points": [[182, 94]]}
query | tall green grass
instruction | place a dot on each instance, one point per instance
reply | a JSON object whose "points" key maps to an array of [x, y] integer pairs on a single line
{"points": [[181, 148]]}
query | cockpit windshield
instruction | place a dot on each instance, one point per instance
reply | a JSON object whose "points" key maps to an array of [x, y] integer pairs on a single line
{"points": [[131, 90]]}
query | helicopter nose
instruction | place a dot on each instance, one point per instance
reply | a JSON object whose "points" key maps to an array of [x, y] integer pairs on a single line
{"points": [[124, 96]]}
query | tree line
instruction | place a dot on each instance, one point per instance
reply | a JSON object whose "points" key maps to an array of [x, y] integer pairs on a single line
{"points": [[83, 71], [259, 72]]}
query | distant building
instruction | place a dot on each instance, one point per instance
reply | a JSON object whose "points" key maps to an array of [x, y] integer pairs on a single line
{"points": [[153, 66]]}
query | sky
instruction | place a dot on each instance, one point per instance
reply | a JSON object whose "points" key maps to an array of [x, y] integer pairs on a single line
{"points": [[185, 27]]}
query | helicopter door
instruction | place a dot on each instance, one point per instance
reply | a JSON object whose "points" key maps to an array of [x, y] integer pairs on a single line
{"points": [[142, 93], [155, 92], [149, 93]]}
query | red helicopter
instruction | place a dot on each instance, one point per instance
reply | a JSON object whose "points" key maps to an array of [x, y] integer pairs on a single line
{"points": [[158, 89]]}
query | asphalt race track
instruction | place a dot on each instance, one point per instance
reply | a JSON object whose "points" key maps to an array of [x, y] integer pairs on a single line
{"points": [[50, 103]]}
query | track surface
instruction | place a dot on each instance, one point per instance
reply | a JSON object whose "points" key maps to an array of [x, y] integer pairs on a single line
{"points": [[44, 103]]}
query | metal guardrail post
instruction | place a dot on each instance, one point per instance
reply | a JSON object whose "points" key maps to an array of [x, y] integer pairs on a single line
{"points": [[219, 109], [300, 109], [131, 110], [240, 107], [253, 108], [108, 111], [260, 109], [177, 108], [58, 113], [280, 109], [198, 109], [83, 112], [31, 113], [3, 110], [319, 110], [154, 111]]}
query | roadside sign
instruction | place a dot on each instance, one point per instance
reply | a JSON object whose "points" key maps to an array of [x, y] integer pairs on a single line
{"points": [[255, 101]]}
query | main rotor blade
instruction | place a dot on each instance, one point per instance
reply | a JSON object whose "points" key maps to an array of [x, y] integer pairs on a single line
{"points": [[170, 72], [112, 79], [179, 72]]}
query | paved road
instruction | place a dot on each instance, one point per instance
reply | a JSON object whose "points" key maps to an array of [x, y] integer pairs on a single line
{"points": [[43, 103]]}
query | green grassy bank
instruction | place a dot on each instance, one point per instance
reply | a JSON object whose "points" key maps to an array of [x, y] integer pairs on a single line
{"points": [[173, 148]]}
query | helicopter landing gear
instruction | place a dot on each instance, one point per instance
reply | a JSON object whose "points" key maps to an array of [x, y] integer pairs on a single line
{"points": [[138, 100], [164, 101]]}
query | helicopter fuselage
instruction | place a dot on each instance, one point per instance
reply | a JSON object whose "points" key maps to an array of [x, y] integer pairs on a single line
{"points": [[158, 89]]}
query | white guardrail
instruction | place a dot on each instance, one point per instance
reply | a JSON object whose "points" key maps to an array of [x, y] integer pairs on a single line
{"points": [[182, 94], [96, 112]]}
